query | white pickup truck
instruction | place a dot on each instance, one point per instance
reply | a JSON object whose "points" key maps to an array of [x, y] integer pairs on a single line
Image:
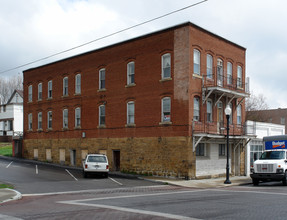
{"points": [[272, 165]]}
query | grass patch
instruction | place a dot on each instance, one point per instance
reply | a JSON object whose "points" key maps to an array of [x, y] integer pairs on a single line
{"points": [[6, 150], [3, 186]]}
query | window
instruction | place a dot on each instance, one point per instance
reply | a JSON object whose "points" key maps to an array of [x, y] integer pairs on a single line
{"points": [[40, 91], [209, 110], [200, 149], [102, 79], [221, 149], [196, 62], [65, 118], [30, 121], [282, 121], [219, 72], [78, 84], [65, 86], [130, 113], [231, 114], [30, 93], [131, 73], [209, 63], [166, 67], [196, 109], [50, 85], [102, 115], [256, 148], [78, 117], [165, 109], [239, 77], [49, 116], [39, 120], [229, 73], [239, 114]]}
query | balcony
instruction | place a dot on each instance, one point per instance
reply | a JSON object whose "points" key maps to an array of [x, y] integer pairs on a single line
{"points": [[224, 86]]}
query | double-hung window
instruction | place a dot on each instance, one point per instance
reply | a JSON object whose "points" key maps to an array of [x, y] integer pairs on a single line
{"points": [[130, 113], [239, 77], [40, 91], [102, 115], [65, 86], [200, 149], [30, 121], [102, 78], [49, 117], [238, 111], [131, 73], [39, 120], [196, 109], [30, 90], [196, 62], [166, 109], [209, 111], [209, 64], [229, 73], [65, 118], [221, 150], [50, 87], [78, 84], [78, 117], [165, 66]]}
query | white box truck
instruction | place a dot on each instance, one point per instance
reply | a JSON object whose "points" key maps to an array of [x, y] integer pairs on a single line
{"points": [[272, 165]]}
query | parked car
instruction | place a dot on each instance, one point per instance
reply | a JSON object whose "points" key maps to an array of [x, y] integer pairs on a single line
{"points": [[96, 163]]}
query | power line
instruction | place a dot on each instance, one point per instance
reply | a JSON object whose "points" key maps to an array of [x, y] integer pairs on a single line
{"points": [[106, 36]]}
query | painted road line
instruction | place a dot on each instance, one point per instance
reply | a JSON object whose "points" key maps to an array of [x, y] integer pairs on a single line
{"points": [[71, 175], [9, 165], [37, 169], [115, 181]]}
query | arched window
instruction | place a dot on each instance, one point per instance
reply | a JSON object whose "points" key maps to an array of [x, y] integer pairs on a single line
{"points": [[209, 65], [78, 117], [196, 62], [165, 109], [196, 109], [209, 111], [238, 111], [102, 115], [229, 73], [102, 78], [78, 84], [165, 66], [239, 76], [131, 73], [131, 112]]}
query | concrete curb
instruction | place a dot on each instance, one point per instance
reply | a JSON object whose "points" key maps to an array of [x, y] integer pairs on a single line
{"points": [[11, 195]]}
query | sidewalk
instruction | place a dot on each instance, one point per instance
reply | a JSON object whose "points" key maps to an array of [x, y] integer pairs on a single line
{"points": [[9, 195], [205, 183]]}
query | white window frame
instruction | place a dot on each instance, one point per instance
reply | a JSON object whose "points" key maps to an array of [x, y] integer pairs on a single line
{"points": [[40, 91], [102, 117], [166, 110], [50, 89], [239, 77], [196, 62], [65, 86], [30, 121], [78, 84], [102, 78], [229, 73], [131, 73], [209, 110], [40, 120], [78, 117], [30, 93], [209, 66], [49, 119], [131, 112], [166, 66], [239, 111], [65, 118], [196, 109]]}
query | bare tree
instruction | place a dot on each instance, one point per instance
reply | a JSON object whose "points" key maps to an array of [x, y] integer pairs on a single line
{"points": [[7, 87], [253, 105]]}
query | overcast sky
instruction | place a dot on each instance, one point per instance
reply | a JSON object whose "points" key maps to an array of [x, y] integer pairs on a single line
{"points": [[34, 29]]}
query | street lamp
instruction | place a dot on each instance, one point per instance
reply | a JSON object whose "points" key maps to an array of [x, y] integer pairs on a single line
{"points": [[227, 113]]}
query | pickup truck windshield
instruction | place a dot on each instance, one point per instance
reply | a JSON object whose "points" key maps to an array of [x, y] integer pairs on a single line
{"points": [[272, 155]]}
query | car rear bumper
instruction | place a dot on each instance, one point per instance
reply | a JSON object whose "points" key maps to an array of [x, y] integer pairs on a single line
{"points": [[267, 176]]}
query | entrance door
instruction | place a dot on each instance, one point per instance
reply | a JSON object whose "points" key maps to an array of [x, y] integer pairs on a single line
{"points": [[73, 157], [219, 116], [117, 160]]}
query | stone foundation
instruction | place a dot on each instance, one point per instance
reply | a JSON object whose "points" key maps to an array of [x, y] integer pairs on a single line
{"points": [[162, 156]]}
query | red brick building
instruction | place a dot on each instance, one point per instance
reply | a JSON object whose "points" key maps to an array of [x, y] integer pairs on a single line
{"points": [[154, 104]]}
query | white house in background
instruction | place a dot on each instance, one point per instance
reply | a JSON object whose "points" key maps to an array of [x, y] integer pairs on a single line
{"points": [[255, 146], [11, 117]]}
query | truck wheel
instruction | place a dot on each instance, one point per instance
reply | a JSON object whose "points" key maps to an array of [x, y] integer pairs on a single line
{"points": [[285, 179], [255, 182]]}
